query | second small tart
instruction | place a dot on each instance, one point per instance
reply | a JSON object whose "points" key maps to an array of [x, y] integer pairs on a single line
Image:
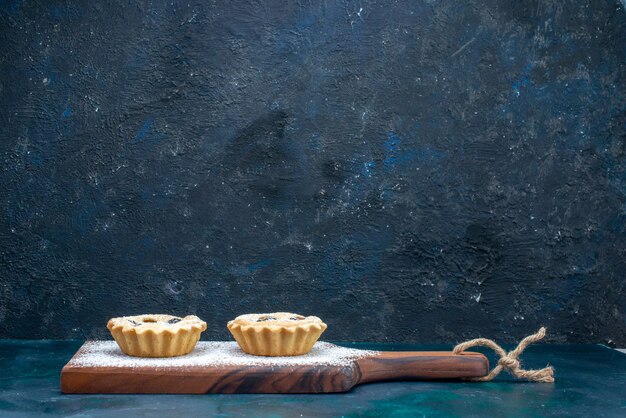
{"points": [[156, 335], [276, 334]]}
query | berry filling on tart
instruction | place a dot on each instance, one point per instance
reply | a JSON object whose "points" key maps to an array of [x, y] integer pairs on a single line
{"points": [[273, 318], [171, 321]]}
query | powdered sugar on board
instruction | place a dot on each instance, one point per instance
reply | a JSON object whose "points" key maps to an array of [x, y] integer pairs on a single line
{"points": [[214, 353]]}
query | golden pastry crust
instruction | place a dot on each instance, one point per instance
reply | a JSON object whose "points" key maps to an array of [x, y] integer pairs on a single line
{"points": [[156, 335], [276, 334]]}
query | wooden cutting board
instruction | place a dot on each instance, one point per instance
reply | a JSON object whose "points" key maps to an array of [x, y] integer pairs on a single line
{"points": [[220, 367]]}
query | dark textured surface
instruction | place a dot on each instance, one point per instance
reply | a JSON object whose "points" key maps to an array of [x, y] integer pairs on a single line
{"points": [[590, 383], [422, 171]]}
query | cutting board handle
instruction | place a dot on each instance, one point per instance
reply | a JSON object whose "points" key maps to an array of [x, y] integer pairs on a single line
{"points": [[420, 365]]}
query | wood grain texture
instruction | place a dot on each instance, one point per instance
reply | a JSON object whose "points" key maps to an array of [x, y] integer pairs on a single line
{"points": [[416, 365], [402, 365]]}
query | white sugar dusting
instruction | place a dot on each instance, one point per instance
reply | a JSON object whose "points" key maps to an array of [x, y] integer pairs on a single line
{"points": [[214, 353]]}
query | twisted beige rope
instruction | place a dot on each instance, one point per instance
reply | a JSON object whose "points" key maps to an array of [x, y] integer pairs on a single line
{"points": [[509, 361]]}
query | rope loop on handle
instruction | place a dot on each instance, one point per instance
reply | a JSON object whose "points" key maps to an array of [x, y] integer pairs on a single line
{"points": [[510, 361]]}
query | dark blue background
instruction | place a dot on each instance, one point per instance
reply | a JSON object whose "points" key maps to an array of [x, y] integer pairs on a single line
{"points": [[422, 171]]}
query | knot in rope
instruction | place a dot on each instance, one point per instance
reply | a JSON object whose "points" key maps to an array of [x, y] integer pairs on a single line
{"points": [[509, 361]]}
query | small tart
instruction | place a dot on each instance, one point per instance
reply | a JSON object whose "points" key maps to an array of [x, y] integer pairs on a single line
{"points": [[156, 335], [276, 334]]}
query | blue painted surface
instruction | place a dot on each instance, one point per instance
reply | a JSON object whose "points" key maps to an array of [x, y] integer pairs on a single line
{"points": [[589, 382], [144, 130], [408, 171]]}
